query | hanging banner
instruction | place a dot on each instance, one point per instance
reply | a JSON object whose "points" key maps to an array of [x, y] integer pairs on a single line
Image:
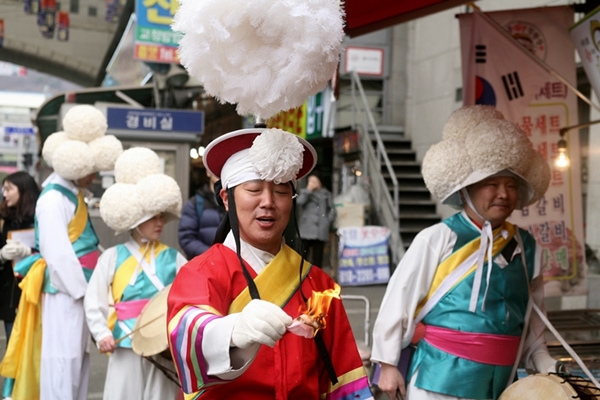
{"points": [[541, 105], [113, 11], [154, 40], [46, 18], [31, 6], [586, 37], [308, 121], [63, 26], [363, 255]]}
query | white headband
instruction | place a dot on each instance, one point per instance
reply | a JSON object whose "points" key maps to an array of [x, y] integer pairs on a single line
{"points": [[238, 169]]}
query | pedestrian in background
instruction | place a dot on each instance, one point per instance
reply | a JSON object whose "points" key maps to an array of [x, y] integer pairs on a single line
{"points": [[200, 219], [316, 213], [20, 192]]}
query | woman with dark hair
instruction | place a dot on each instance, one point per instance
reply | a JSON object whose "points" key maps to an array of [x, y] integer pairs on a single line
{"points": [[20, 192]]}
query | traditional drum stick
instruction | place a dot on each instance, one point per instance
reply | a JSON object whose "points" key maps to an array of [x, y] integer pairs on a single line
{"points": [[119, 340]]}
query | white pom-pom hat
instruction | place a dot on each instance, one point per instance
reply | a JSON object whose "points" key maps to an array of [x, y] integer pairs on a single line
{"points": [[265, 55], [83, 147], [259, 154], [141, 192], [479, 143]]}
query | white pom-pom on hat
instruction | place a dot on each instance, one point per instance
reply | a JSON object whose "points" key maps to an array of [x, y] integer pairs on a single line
{"points": [[51, 143], [120, 207], [277, 156], [464, 119], [104, 151], [492, 145], [84, 122], [266, 55], [72, 160], [135, 164], [159, 193]]}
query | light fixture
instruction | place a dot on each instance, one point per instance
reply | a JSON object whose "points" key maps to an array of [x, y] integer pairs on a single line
{"points": [[201, 150], [562, 161], [193, 153]]}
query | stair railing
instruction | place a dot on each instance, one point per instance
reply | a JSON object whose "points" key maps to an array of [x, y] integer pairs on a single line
{"points": [[386, 206]]}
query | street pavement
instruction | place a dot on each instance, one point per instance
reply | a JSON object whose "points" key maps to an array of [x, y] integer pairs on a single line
{"points": [[354, 300]]}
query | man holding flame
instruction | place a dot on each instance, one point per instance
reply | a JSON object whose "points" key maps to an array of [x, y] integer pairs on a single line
{"points": [[230, 310]]}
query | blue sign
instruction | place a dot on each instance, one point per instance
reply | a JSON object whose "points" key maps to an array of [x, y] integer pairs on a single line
{"points": [[155, 120], [363, 255], [21, 130]]}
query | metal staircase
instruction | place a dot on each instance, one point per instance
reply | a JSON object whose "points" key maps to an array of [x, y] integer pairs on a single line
{"points": [[415, 207], [399, 196]]}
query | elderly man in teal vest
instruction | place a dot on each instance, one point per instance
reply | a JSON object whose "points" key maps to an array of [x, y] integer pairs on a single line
{"points": [[468, 279]]}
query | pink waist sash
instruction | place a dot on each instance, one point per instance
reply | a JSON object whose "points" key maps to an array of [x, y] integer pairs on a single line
{"points": [[89, 260], [130, 309], [483, 348]]}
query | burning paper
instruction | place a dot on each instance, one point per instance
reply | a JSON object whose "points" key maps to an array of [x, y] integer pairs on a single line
{"points": [[312, 316]]}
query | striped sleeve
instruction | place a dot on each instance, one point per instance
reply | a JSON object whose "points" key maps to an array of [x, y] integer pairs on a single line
{"points": [[351, 386], [186, 330]]}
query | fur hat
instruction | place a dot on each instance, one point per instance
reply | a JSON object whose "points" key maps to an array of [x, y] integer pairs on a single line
{"points": [[265, 55], [478, 143], [266, 154], [141, 191], [83, 147]]}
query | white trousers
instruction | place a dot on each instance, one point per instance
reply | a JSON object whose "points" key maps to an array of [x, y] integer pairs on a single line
{"points": [[132, 377], [65, 363], [415, 393]]}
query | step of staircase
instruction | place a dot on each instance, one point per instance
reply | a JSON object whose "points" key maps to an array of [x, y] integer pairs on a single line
{"points": [[416, 207]]}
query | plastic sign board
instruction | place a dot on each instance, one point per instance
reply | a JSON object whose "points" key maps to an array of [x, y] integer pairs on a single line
{"points": [[155, 120], [364, 60], [363, 255]]}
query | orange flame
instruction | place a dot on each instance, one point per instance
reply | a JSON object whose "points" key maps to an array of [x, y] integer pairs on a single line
{"points": [[317, 306]]}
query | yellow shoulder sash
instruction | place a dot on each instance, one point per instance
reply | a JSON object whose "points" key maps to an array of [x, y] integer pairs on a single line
{"points": [[277, 282]]}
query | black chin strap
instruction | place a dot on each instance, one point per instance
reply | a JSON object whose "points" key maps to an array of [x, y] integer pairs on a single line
{"points": [[322, 349], [235, 227]]}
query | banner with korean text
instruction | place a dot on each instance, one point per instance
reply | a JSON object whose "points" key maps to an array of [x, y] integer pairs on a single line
{"points": [[363, 255], [497, 72], [586, 37], [154, 39]]}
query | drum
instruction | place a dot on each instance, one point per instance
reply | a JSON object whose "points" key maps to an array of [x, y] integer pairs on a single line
{"points": [[150, 331], [149, 337], [551, 387]]}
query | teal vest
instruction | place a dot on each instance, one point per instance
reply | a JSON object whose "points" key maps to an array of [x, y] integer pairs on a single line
{"points": [[143, 288], [504, 314], [85, 244]]}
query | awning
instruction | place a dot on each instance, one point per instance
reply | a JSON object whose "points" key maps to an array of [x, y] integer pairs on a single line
{"points": [[368, 16]]}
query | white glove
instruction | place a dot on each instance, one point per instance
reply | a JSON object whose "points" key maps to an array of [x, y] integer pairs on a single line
{"points": [[543, 362], [259, 322], [14, 249]]}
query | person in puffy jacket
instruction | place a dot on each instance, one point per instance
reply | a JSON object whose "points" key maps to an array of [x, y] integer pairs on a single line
{"points": [[200, 218], [316, 213]]}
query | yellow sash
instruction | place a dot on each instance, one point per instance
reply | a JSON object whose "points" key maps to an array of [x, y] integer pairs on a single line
{"points": [[124, 274], [23, 353], [277, 282], [457, 258]]}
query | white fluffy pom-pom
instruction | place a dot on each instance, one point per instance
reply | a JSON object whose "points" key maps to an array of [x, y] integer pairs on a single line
{"points": [[159, 193], [105, 150], [277, 156], [84, 122], [71, 160], [265, 55], [51, 144], [120, 207], [135, 164]]}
